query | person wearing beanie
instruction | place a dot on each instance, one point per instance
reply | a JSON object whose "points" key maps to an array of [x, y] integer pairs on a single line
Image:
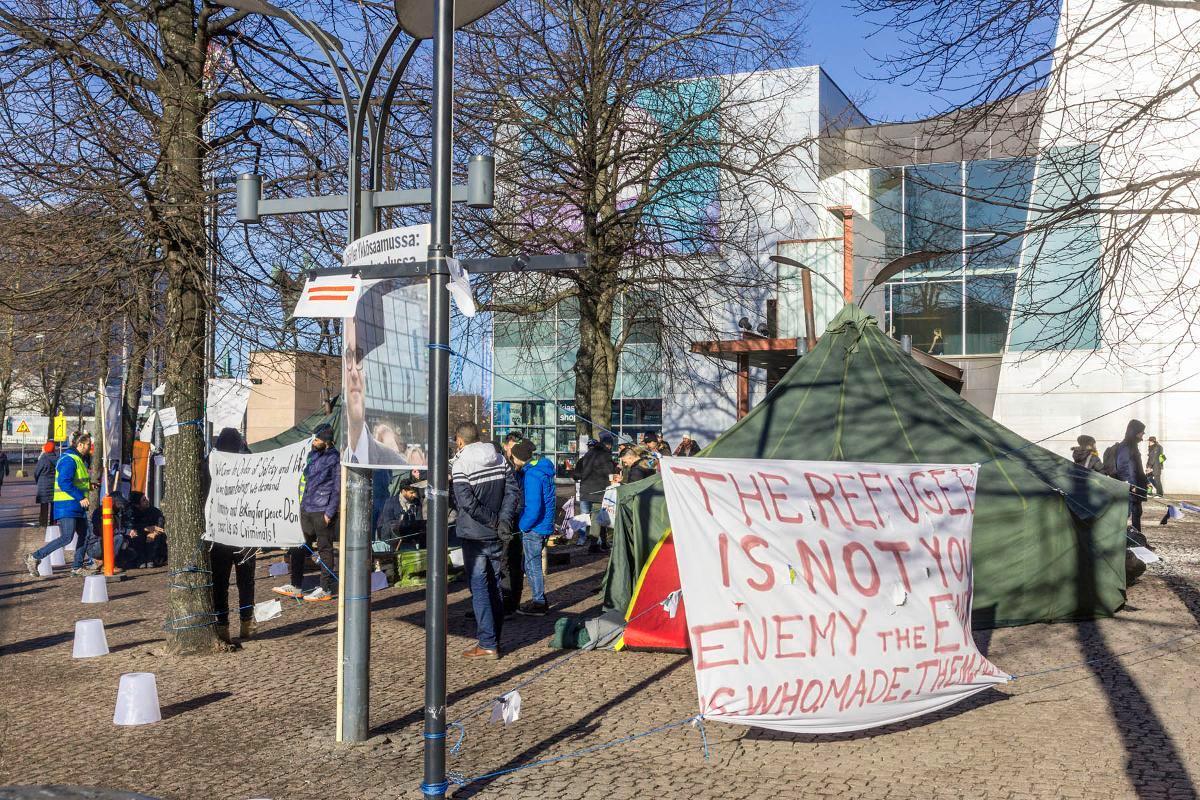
{"points": [[1086, 455], [320, 498], [43, 478], [536, 522]]}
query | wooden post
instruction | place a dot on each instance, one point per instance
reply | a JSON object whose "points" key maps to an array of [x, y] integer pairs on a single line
{"points": [[743, 384]]}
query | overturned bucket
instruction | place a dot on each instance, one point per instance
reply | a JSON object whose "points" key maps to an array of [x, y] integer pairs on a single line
{"points": [[90, 640], [137, 700]]}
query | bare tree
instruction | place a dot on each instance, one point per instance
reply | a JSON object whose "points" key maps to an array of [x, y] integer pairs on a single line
{"points": [[1101, 95], [646, 135]]}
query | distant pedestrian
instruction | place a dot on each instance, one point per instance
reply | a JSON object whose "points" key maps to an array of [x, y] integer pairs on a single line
{"points": [[321, 496], [636, 465], [486, 497], [3, 468], [536, 522], [1155, 459], [43, 477], [1129, 469], [592, 474], [227, 559], [687, 447], [71, 486], [1086, 455]]}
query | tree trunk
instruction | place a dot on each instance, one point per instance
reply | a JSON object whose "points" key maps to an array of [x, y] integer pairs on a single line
{"points": [[595, 364], [182, 243], [139, 346]]}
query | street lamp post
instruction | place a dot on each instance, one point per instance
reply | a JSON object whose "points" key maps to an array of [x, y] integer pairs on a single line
{"points": [[361, 206]]}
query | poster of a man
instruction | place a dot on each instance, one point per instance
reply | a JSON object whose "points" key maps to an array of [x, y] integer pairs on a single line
{"points": [[384, 377]]}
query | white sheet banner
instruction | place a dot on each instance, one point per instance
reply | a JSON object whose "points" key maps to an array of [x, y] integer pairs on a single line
{"points": [[254, 499], [227, 401], [826, 597]]}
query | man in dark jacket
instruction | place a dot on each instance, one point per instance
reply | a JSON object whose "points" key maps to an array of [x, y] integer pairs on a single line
{"points": [[592, 473], [1155, 458], [320, 497], [400, 521], [486, 496], [43, 477], [536, 522], [1129, 469]]}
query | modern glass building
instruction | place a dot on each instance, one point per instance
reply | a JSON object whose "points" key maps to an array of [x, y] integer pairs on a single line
{"points": [[533, 386]]}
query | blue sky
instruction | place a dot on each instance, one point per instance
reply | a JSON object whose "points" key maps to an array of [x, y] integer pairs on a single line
{"points": [[847, 46]]}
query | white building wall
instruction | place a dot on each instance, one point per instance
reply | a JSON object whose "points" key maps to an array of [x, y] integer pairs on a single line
{"points": [[1148, 333]]}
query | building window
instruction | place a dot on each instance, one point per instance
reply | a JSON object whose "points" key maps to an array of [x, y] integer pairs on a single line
{"points": [[958, 304]]}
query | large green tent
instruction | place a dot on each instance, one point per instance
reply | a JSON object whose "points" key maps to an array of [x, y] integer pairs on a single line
{"points": [[1049, 537], [304, 428]]}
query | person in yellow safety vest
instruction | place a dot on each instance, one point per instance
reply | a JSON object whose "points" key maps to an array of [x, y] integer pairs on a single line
{"points": [[72, 483]]}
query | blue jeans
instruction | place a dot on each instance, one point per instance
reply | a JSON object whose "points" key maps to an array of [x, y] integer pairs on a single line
{"points": [[482, 560], [532, 543], [68, 527]]}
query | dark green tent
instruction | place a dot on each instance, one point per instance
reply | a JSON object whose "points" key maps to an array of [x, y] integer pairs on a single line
{"points": [[1049, 537], [304, 428]]}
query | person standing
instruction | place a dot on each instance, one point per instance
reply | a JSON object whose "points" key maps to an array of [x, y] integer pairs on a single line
{"points": [[592, 473], [1129, 469], [536, 522], [687, 447], [1086, 455], [43, 478], [486, 497], [71, 486], [227, 559], [320, 498], [4, 471], [1155, 459]]}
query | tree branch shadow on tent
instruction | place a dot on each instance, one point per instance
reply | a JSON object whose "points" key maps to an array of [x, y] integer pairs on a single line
{"points": [[581, 727]]}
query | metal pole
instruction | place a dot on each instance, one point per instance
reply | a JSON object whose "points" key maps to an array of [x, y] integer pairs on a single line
{"points": [[434, 784], [156, 439]]}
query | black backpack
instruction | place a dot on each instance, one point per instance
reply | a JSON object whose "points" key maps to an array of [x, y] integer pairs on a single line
{"points": [[1109, 465]]}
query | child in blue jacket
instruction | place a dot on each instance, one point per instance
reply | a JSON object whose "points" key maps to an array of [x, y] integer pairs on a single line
{"points": [[536, 521]]}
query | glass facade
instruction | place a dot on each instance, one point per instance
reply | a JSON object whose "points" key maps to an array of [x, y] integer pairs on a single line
{"points": [[534, 382], [960, 303]]}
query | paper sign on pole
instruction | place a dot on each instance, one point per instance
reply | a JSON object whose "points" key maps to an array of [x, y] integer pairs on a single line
{"points": [[169, 420], [826, 597], [393, 246], [331, 296], [255, 498]]}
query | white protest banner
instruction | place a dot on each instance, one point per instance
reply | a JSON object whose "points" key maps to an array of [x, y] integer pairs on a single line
{"points": [[254, 499], [826, 597]]}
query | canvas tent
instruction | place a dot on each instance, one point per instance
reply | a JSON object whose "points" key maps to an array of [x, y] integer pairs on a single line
{"points": [[304, 428], [1049, 537]]}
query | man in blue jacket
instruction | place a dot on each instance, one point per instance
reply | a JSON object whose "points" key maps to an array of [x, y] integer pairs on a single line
{"points": [[536, 522], [320, 498], [71, 486]]}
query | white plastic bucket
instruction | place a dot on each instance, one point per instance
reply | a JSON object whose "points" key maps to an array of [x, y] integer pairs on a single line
{"points": [[90, 640], [137, 700], [95, 589]]}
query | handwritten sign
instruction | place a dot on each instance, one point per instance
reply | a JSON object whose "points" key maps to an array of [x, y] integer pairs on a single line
{"points": [[826, 597], [254, 499]]}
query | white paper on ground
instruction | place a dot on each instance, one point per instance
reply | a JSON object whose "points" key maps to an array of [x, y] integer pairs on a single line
{"points": [[267, 609], [1145, 555], [507, 709]]}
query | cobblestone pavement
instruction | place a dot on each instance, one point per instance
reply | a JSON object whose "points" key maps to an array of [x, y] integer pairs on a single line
{"points": [[259, 723]]}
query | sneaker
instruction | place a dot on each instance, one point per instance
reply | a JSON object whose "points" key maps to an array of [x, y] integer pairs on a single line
{"points": [[532, 609], [31, 564], [317, 595], [287, 590], [83, 572]]}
